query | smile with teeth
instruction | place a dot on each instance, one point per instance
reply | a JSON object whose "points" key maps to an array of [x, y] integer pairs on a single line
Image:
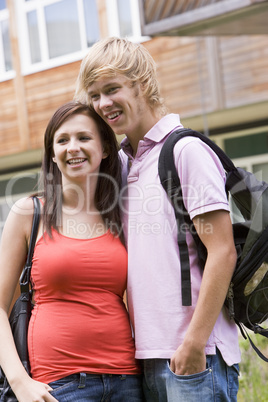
{"points": [[113, 115], [76, 161]]}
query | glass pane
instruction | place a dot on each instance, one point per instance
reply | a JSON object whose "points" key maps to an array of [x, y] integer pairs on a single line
{"points": [[236, 215], [92, 21], [62, 28], [6, 44], [2, 4], [124, 15], [4, 211], [33, 37], [261, 171], [20, 183]]}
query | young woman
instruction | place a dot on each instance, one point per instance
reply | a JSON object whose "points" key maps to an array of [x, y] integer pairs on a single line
{"points": [[79, 339]]}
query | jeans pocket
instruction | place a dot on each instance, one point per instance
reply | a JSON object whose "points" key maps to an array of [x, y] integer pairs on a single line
{"points": [[63, 384], [190, 388], [190, 377]]}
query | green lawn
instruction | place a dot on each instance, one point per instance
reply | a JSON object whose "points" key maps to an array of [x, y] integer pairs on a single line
{"points": [[253, 381]]}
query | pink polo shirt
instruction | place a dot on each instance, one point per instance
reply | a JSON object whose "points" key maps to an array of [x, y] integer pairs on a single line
{"points": [[154, 296]]}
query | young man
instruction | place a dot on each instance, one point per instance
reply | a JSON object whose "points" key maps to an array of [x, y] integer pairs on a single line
{"points": [[188, 353]]}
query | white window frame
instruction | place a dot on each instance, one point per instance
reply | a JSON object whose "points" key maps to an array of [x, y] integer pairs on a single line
{"points": [[4, 75], [113, 20], [27, 67], [248, 162]]}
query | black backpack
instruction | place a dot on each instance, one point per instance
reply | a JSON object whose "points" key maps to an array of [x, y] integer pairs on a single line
{"points": [[247, 298]]}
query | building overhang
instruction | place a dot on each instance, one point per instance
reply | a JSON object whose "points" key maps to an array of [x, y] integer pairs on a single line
{"points": [[201, 18]]}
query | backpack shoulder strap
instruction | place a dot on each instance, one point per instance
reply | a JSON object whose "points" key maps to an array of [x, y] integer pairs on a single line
{"points": [[171, 183], [188, 132]]}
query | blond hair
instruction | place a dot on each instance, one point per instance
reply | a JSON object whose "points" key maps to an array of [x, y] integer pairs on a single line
{"points": [[111, 56]]}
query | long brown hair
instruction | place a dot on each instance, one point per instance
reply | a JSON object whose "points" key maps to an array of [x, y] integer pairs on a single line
{"points": [[109, 180]]}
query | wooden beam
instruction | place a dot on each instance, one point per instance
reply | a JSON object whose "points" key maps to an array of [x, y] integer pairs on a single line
{"points": [[21, 106], [102, 15], [215, 72]]}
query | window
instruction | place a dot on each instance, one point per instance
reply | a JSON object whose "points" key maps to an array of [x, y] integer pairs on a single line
{"points": [[6, 69], [15, 186], [2, 4], [62, 27], [124, 16], [247, 149], [55, 32], [4, 211], [124, 19], [257, 165]]}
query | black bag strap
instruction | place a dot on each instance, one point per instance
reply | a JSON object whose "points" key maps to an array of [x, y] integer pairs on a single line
{"points": [[25, 275], [171, 183], [186, 132], [257, 330]]}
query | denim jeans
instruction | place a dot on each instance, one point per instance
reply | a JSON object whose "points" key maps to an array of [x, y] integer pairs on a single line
{"points": [[218, 383], [96, 388]]}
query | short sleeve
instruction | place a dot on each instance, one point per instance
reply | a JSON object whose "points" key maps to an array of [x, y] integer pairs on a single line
{"points": [[202, 177]]}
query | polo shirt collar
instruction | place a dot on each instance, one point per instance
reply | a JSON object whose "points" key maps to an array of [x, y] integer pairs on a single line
{"points": [[163, 127], [156, 134]]}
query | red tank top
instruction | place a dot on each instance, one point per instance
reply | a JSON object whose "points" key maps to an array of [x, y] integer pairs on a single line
{"points": [[79, 322]]}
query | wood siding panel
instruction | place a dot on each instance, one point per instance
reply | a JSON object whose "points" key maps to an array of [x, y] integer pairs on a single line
{"points": [[181, 64], [45, 92], [245, 69], [185, 71], [9, 133]]}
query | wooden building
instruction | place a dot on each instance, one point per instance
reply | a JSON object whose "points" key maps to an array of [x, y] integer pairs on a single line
{"points": [[218, 84]]}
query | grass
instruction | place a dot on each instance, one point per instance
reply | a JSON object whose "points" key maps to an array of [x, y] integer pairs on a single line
{"points": [[253, 371]]}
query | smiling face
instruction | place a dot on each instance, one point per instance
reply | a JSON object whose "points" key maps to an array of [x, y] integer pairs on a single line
{"points": [[78, 149], [122, 105]]}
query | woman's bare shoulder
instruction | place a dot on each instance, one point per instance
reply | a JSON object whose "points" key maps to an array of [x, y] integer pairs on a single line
{"points": [[23, 207]]}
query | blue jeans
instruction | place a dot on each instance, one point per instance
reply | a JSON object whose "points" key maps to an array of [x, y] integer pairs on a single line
{"points": [[96, 388], [218, 383]]}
